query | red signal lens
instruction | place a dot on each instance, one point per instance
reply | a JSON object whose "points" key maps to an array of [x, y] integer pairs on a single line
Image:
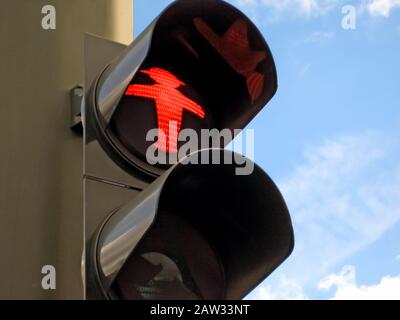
{"points": [[170, 103]]}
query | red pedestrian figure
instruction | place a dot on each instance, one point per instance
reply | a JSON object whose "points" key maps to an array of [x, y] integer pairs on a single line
{"points": [[170, 103]]}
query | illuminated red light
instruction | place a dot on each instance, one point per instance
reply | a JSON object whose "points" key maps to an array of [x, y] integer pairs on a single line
{"points": [[170, 104], [234, 47]]}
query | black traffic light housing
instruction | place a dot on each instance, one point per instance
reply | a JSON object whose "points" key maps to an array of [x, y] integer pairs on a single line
{"points": [[202, 217], [196, 231], [218, 54]]}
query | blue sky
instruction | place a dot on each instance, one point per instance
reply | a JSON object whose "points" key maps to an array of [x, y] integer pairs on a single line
{"points": [[330, 139]]}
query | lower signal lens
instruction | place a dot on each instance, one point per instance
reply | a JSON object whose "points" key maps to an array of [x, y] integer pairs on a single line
{"points": [[173, 262]]}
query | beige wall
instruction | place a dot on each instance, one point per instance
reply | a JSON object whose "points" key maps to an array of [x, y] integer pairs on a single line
{"points": [[41, 216]]}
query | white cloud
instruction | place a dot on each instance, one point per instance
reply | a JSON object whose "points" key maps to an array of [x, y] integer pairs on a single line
{"points": [[398, 257], [382, 7], [306, 8], [287, 290], [343, 197], [347, 289], [274, 9]]}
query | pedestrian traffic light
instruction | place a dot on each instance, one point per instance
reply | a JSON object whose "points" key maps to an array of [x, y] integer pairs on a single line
{"points": [[199, 65], [197, 230]]}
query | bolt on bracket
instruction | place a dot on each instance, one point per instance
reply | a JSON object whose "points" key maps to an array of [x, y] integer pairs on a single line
{"points": [[77, 100]]}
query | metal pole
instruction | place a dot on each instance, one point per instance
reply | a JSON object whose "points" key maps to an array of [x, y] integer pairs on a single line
{"points": [[41, 192]]}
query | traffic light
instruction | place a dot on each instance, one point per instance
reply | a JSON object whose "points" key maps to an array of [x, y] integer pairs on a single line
{"points": [[200, 64], [191, 229]]}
